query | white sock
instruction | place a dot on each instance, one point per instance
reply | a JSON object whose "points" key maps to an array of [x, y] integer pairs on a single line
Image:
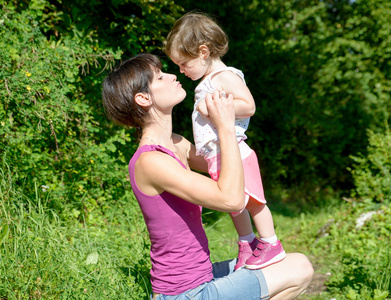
{"points": [[247, 238], [270, 240]]}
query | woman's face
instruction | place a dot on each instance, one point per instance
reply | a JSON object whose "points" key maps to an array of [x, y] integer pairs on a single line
{"points": [[166, 91]]}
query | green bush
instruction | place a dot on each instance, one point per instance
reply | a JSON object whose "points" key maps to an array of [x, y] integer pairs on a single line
{"points": [[71, 228], [53, 128], [51, 132], [372, 172]]}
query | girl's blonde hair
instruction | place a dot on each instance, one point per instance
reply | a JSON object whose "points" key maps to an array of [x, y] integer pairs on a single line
{"points": [[193, 30]]}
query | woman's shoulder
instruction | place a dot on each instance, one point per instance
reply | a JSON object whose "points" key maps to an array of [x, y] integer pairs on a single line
{"points": [[147, 152], [153, 164], [146, 157], [177, 138]]}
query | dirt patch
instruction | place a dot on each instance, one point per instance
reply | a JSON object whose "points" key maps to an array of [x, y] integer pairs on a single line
{"points": [[315, 288], [317, 285]]}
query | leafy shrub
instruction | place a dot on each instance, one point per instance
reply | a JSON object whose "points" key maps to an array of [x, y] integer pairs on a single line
{"points": [[52, 134], [66, 197], [372, 173]]}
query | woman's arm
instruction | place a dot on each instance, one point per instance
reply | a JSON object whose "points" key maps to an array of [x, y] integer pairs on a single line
{"points": [[157, 172]]}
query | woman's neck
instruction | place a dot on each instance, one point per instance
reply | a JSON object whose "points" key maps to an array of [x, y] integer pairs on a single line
{"points": [[158, 134]]}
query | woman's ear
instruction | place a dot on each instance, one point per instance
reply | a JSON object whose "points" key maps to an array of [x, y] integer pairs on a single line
{"points": [[204, 51], [143, 100]]}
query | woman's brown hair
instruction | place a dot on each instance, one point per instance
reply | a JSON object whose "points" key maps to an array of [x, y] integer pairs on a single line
{"points": [[119, 88]]}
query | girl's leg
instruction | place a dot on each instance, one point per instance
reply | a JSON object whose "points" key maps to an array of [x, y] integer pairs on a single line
{"points": [[242, 223], [247, 242], [269, 249], [262, 217]]}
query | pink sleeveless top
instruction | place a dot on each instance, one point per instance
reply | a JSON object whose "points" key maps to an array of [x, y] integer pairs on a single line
{"points": [[179, 246]]}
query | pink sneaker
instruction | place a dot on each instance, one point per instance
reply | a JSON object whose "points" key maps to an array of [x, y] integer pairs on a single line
{"points": [[245, 251], [265, 254]]}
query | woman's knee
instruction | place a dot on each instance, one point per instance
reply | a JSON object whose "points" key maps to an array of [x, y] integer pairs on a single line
{"points": [[306, 270], [301, 270]]}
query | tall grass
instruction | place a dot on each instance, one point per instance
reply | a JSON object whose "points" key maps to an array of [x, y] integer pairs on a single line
{"points": [[43, 257]]}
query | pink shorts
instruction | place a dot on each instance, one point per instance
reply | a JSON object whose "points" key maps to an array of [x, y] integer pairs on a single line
{"points": [[252, 176]]}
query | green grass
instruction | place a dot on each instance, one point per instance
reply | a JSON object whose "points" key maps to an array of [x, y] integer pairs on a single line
{"points": [[357, 260], [44, 257]]}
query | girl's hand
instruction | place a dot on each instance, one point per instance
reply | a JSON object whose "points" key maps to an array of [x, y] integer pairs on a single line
{"points": [[201, 108]]}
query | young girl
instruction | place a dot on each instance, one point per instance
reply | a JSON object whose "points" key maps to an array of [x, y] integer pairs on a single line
{"points": [[196, 44]]}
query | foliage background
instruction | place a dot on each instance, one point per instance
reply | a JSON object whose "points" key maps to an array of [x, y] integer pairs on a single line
{"points": [[320, 72]]}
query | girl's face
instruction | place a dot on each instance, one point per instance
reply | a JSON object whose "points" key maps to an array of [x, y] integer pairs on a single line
{"points": [[195, 68], [166, 90]]}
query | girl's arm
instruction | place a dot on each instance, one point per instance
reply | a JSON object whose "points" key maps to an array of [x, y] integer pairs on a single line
{"points": [[231, 83], [157, 172], [197, 162]]}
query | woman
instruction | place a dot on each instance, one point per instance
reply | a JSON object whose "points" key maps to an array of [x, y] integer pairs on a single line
{"points": [[171, 196]]}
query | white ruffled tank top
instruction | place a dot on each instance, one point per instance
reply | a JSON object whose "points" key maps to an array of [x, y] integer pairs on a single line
{"points": [[205, 134]]}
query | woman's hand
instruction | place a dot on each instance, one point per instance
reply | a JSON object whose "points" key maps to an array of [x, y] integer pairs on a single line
{"points": [[221, 110]]}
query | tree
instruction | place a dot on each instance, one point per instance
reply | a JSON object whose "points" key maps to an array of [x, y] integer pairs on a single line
{"points": [[320, 74]]}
